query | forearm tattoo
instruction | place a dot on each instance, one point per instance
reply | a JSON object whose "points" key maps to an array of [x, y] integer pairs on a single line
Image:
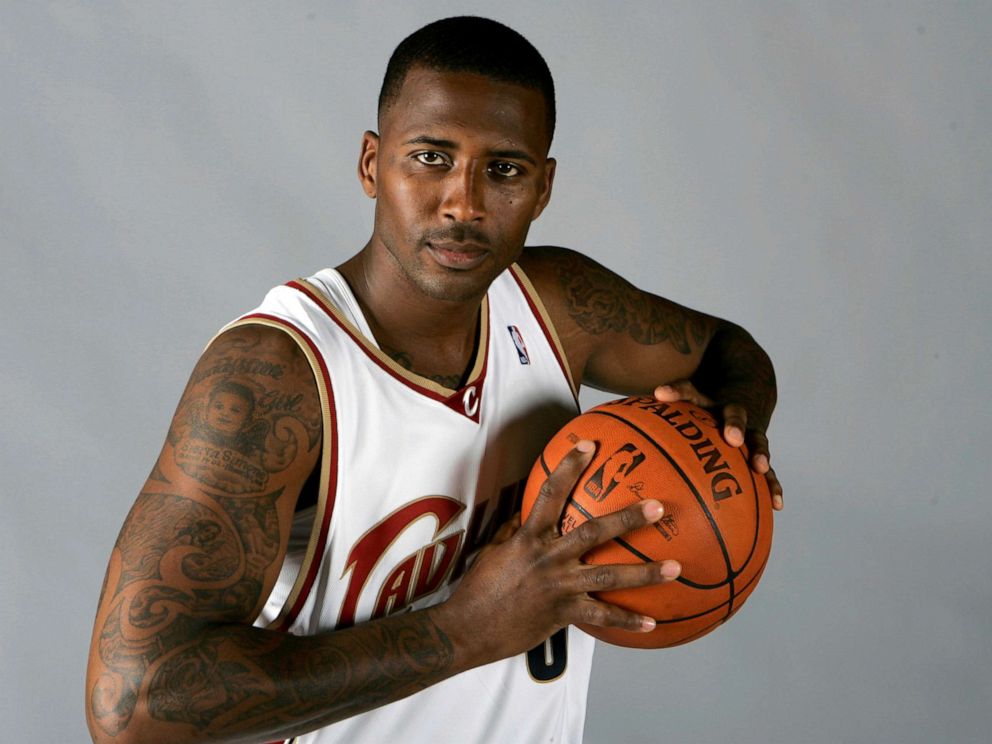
{"points": [[240, 679], [170, 540], [601, 302]]}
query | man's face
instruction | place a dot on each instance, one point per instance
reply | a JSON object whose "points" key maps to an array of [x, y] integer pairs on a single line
{"points": [[459, 172]]}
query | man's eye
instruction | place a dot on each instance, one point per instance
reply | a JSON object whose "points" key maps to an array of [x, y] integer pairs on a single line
{"points": [[504, 169], [429, 158]]}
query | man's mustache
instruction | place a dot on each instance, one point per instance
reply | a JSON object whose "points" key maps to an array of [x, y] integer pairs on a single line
{"points": [[457, 233]]}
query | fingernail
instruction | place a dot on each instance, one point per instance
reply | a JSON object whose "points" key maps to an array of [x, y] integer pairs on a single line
{"points": [[670, 569], [664, 390], [735, 436], [647, 623], [761, 463], [584, 445], [779, 504], [653, 510]]}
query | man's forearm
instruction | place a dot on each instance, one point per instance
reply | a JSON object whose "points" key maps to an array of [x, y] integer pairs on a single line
{"points": [[235, 683]]}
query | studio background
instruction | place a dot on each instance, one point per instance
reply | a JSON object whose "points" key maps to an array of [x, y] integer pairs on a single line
{"points": [[818, 172]]}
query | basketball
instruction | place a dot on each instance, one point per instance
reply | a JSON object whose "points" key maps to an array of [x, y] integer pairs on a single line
{"points": [[717, 519]]}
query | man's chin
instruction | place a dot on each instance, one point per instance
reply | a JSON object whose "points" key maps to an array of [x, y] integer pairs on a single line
{"points": [[456, 285]]}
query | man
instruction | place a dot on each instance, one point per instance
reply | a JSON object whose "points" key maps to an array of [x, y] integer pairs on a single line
{"points": [[397, 404]]}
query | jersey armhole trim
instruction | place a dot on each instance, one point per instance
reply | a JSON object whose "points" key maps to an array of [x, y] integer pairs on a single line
{"points": [[544, 320], [327, 491]]}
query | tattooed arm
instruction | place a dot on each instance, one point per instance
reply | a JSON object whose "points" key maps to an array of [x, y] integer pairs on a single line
{"points": [[174, 657], [619, 338]]}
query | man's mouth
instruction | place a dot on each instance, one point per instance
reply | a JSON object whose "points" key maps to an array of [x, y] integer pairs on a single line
{"points": [[461, 256]]}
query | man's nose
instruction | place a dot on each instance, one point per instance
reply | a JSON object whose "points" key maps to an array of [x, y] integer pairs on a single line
{"points": [[464, 200]]}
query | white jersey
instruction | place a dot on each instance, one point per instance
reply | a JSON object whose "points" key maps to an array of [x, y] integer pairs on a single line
{"points": [[414, 480]]}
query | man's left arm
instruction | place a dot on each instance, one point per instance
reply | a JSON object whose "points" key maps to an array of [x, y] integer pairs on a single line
{"points": [[628, 341]]}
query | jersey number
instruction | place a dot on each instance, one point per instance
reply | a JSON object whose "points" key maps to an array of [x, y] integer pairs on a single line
{"points": [[547, 660]]}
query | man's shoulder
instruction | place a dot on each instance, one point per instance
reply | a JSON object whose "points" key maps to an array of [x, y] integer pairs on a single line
{"points": [[545, 265], [536, 257], [249, 337], [562, 275]]}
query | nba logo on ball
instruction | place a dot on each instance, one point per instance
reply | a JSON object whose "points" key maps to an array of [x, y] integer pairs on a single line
{"points": [[613, 471], [518, 341]]}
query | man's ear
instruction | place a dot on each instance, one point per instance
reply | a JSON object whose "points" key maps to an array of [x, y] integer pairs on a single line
{"points": [[367, 162], [545, 196]]}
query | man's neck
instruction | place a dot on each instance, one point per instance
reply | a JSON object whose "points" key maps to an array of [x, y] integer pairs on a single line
{"points": [[432, 337]]}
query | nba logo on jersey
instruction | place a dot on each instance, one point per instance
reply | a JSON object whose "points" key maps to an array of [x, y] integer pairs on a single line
{"points": [[518, 341]]}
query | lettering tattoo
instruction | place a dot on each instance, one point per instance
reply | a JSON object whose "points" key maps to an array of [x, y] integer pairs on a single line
{"points": [[602, 302], [238, 366]]}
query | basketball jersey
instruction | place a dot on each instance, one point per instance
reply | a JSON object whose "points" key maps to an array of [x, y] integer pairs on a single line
{"points": [[414, 479]]}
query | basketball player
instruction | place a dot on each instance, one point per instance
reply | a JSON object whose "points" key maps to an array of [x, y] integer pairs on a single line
{"points": [[340, 574]]}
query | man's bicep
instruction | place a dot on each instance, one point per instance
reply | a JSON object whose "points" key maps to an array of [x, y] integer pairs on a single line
{"points": [[205, 538], [244, 439], [617, 337]]}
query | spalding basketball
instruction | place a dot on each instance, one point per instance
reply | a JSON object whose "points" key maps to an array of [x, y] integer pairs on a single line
{"points": [[717, 519]]}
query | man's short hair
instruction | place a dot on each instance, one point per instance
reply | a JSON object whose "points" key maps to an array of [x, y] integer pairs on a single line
{"points": [[470, 44]]}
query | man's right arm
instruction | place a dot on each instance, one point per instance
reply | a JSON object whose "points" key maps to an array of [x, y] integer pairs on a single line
{"points": [[174, 656]]}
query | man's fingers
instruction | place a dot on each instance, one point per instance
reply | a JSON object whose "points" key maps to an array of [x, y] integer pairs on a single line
{"points": [[681, 390], [735, 431], [546, 512], [597, 531], [734, 424], [623, 576], [592, 611], [775, 488], [757, 447]]}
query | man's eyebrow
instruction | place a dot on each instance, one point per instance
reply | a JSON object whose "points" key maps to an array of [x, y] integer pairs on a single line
{"points": [[513, 155], [424, 139]]}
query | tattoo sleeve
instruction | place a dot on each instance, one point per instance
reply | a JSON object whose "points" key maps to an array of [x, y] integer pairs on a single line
{"points": [[599, 301], [174, 657]]}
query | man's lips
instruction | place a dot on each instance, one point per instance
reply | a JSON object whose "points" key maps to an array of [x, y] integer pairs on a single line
{"points": [[457, 255]]}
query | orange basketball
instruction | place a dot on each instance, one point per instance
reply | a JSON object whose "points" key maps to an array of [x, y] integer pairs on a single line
{"points": [[717, 519]]}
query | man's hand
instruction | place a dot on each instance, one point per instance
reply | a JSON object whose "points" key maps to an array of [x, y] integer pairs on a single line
{"points": [[736, 430], [532, 581]]}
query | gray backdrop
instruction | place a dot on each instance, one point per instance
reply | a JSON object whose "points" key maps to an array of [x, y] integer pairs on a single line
{"points": [[818, 172]]}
